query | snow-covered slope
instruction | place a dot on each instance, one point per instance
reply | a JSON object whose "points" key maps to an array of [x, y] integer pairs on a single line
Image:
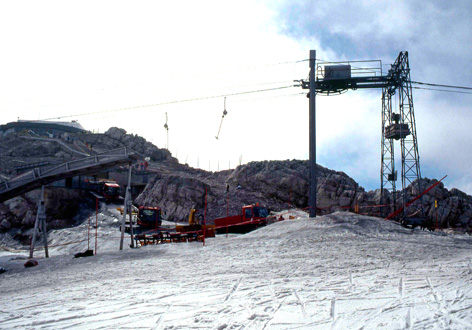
{"points": [[340, 271]]}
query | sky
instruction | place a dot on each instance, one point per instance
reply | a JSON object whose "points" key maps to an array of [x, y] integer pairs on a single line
{"points": [[134, 64]]}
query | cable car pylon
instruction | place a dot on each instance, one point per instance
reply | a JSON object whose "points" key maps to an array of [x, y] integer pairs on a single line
{"points": [[397, 124], [222, 117]]}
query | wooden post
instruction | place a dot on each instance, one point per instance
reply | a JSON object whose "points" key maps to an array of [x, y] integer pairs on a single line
{"points": [[88, 235], [35, 230], [130, 211], [40, 222], [127, 204], [227, 213], [96, 225], [44, 229], [204, 218]]}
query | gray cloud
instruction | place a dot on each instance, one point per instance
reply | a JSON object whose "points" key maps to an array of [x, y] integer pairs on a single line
{"points": [[438, 37]]}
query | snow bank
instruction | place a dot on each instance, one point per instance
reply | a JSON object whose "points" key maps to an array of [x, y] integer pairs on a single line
{"points": [[340, 271]]}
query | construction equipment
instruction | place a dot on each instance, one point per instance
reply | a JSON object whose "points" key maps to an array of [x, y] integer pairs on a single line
{"points": [[195, 225], [108, 189], [111, 191], [150, 217], [146, 217], [414, 221], [251, 217], [191, 218]]}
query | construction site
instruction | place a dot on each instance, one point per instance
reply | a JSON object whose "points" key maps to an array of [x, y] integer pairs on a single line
{"points": [[148, 186]]}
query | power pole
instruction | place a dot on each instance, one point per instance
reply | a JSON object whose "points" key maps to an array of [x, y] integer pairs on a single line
{"points": [[312, 123]]}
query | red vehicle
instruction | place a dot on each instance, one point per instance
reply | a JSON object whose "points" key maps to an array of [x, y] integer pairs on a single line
{"points": [[111, 190], [252, 217], [150, 217]]}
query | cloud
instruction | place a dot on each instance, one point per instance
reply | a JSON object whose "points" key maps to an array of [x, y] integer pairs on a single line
{"points": [[437, 36], [62, 59]]}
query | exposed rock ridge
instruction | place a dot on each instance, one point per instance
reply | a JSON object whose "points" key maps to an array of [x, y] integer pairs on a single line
{"points": [[178, 188]]}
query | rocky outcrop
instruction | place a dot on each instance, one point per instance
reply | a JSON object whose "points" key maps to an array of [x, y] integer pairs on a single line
{"points": [[178, 188], [276, 184], [175, 194], [61, 207], [454, 206], [117, 137], [282, 184]]}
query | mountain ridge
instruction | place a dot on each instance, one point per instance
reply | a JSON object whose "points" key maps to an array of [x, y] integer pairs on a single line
{"points": [[177, 188]]}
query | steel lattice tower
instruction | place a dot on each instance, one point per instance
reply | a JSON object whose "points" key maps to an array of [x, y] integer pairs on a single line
{"points": [[388, 174], [399, 126]]}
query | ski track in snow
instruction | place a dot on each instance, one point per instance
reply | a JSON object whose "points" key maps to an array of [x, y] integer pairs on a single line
{"points": [[336, 272]]}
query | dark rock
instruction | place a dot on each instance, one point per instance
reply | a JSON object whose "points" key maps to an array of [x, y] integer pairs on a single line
{"points": [[31, 263], [86, 253], [5, 225]]}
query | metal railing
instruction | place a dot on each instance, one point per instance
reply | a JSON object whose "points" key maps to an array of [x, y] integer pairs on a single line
{"points": [[52, 171]]}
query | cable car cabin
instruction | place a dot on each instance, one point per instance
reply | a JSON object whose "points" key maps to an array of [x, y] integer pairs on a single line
{"points": [[150, 217], [111, 190], [397, 131]]}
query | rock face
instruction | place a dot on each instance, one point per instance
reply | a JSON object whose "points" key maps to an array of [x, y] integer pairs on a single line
{"points": [[178, 188], [454, 206], [178, 194], [61, 207], [282, 184], [116, 137], [61, 204]]}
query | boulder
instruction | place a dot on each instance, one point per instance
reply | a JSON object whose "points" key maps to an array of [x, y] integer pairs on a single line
{"points": [[5, 225], [116, 133], [29, 219], [18, 206]]}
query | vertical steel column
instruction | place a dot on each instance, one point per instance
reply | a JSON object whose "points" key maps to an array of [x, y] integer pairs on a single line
{"points": [[312, 124], [409, 145], [387, 172]]}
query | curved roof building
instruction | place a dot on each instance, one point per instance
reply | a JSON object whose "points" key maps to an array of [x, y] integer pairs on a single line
{"points": [[41, 127]]}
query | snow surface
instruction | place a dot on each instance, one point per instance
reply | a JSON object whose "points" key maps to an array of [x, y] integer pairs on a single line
{"points": [[340, 271]]}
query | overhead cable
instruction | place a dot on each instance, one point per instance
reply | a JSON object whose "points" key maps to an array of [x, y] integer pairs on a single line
{"points": [[440, 90], [174, 102], [438, 85]]}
